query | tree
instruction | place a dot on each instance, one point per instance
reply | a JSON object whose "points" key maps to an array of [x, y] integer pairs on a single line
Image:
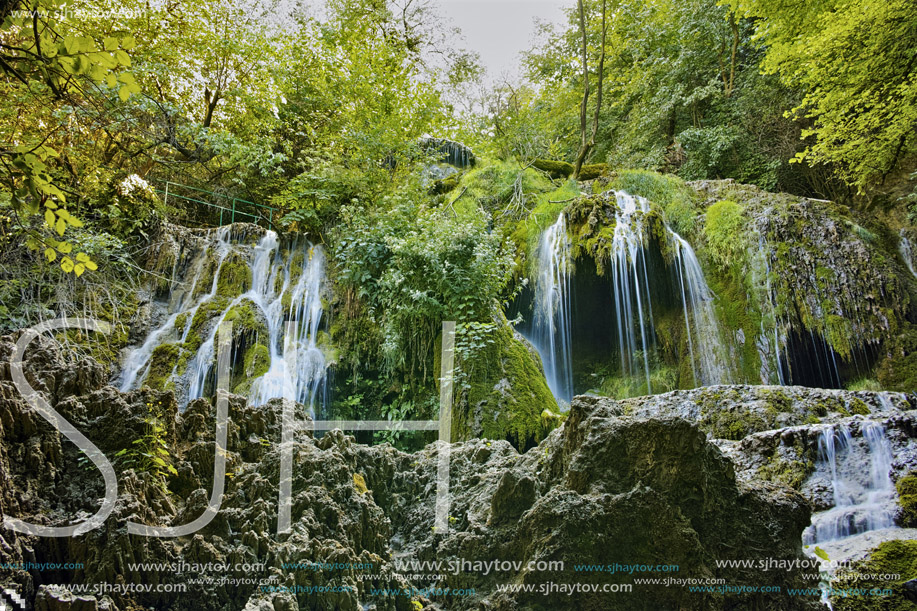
{"points": [[588, 139], [682, 92], [47, 67], [856, 61]]}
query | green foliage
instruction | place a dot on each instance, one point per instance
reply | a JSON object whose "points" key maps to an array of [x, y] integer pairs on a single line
{"points": [[411, 266], [864, 384], [677, 200], [49, 66], [854, 61], [683, 94], [150, 453]]}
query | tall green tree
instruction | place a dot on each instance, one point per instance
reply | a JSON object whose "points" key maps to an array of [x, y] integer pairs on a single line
{"points": [[856, 61]]}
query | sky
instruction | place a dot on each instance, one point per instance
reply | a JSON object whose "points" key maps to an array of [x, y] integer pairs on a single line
{"points": [[500, 29]]}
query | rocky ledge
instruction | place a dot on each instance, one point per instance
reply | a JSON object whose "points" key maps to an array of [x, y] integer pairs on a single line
{"points": [[608, 487]]}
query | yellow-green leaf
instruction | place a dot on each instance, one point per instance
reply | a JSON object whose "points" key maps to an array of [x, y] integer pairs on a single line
{"points": [[49, 252], [78, 269], [66, 264], [122, 57], [65, 247], [60, 227], [50, 218]]}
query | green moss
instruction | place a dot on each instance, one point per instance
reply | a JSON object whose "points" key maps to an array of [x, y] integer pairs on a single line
{"points": [[907, 499], [735, 425], [162, 364], [243, 317], [677, 200], [556, 169], [890, 558], [724, 233], [235, 277], [205, 312], [445, 185], [592, 171], [726, 418], [791, 473], [297, 261], [898, 371], [506, 394], [255, 363], [180, 321], [858, 407], [777, 400]]}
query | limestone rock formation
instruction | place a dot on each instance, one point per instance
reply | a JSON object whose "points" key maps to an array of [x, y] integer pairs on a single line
{"points": [[604, 488]]}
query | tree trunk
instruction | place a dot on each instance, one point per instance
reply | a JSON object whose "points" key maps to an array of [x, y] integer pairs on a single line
{"points": [[588, 139]]}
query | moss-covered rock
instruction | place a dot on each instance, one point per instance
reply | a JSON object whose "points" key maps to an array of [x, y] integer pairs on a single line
{"points": [[907, 500], [555, 169], [235, 276], [162, 364], [592, 171], [862, 592], [444, 185], [810, 268], [255, 363], [898, 370], [790, 473], [506, 396]]}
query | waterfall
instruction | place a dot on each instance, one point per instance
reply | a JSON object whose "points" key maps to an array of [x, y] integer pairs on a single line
{"points": [[551, 322], [297, 364], [450, 152], [860, 504], [136, 366], [284, 309], [632, 296], [697, 301], [907, 252], [630, 286]]}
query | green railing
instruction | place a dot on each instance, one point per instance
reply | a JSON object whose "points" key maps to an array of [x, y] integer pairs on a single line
{"points": [[235, 210]]}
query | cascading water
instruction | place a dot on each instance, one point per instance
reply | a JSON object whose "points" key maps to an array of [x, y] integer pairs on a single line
{"points": [[630, 285], [297, 364], [860, 505], [453, 153], [632, 299], [907, 252], [551, 322], [137, 364], [284, 302]]}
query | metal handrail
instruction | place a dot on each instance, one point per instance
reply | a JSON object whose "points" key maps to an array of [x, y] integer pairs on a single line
{"points": [[233, 211]]}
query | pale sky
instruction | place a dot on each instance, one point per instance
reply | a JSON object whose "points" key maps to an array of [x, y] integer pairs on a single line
{"points": [[500, 29]]}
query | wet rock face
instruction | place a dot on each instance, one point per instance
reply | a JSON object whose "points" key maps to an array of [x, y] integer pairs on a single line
{"points": [[604, 488]]}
